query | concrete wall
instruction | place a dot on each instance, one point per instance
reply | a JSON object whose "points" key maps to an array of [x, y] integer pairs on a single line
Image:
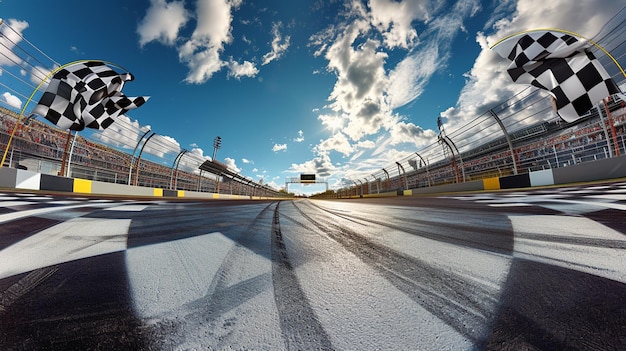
{"points": [[591, 171], [23, 179], [597, 170], [601, 169]]}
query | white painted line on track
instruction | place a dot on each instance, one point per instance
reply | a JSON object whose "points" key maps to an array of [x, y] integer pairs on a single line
{"points": [[38, 211], [67, 241], [135, 208]]}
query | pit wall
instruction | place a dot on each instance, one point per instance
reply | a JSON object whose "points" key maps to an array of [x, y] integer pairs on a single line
{"points": [[28, 180]]}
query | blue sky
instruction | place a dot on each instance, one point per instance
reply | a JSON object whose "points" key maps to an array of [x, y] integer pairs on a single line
{"points": [[335, 88]]}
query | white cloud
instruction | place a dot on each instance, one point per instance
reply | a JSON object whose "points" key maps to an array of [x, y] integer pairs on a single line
{"points": [[9, 39], [338, 142], [368, 88], [408, 79], [321, 166], [197, 151], [213, 31], [366, 144], [38, 74], [201, 52], [332, 122], [162, 22], [246, 161], [279, 147], [402, 132], [245, 69], [300, 137], [279, 45], [231, 164], [12, 100], [123, 133], [361, 83], [366, 92], [394, 20]]}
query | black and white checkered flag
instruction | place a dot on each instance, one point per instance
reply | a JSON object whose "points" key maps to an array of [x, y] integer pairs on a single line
{"points": [[561, 64], [86, 94]]}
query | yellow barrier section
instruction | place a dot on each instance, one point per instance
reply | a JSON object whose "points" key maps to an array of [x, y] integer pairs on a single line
{"points": [[491, 183], [158, 192], [216, 196], [82, 186], [181, 193], [407, 192]]}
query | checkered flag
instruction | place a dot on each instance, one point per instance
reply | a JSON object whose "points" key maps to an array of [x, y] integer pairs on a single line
{"points": [[561, 64], [86, 94]]}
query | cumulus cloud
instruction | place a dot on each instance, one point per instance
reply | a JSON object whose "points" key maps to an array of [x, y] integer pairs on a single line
{"points": [[245, 69], [201, 51], [123, 133], [231, 164], [162, 22], [381, 63], [361, 82], [366, 91], [279, 147], [12, 100], [394, 20], [403, 132], [246, 161], [197, 151], [322, 166], [338, 142], [280, 45]]}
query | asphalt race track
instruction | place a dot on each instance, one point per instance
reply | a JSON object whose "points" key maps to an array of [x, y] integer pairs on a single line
{"points": [[540, 269]]}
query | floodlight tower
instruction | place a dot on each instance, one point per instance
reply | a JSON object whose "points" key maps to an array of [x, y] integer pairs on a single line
{"points": [[217, 143]]}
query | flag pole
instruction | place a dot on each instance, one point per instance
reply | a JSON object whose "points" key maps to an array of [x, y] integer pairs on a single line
{"points": [[566, 32], [65, 151], [30, 98]]}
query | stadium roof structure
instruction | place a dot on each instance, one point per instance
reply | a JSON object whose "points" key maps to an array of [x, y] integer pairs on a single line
{"points": [[222, 170]]}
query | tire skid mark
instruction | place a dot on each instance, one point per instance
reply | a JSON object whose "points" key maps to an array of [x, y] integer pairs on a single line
{"points": [[24, 285], [300, 327], [189, 323], [464, 304], [498, 240]]}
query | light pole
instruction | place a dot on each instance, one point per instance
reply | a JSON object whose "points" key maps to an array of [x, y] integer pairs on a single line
{"points": [[217, 143]]}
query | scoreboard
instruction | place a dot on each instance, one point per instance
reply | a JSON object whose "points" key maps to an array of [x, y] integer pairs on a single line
{"points": [[307, 178]]}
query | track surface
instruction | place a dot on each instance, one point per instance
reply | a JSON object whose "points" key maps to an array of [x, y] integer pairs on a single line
{"points": [[541, 269]]}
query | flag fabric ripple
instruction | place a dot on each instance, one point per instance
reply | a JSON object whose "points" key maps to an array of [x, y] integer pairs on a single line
{"points": [[86, 94], [561, 64]]}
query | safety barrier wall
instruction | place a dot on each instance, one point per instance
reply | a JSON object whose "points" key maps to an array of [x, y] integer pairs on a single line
{"points": [[604, 169], [592, 171], [28, 180]]}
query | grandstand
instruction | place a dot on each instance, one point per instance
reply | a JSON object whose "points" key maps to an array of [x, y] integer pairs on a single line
{"points": [[546, 144], [40, 147]]}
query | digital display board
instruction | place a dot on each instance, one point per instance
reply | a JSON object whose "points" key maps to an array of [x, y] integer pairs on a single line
{"points": [[307, 178]]}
